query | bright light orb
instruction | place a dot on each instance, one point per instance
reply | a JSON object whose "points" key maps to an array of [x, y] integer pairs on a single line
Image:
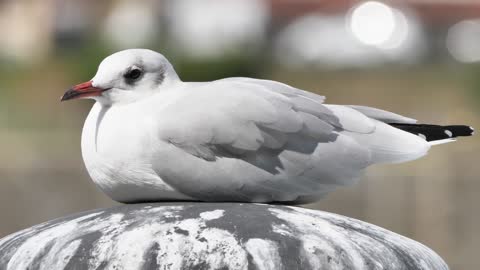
{"points": [[462, 41], [373, 23]]}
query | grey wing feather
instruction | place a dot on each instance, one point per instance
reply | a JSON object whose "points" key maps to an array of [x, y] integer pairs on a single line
{"points": [[281, 88], [341, 117], [245, 115], [383, 116]]}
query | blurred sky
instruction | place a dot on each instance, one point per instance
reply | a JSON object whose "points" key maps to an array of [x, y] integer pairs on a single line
{"points": [[419, 58]]}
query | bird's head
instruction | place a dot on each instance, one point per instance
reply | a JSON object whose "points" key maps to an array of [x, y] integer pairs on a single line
{"points": [[126, 76]]}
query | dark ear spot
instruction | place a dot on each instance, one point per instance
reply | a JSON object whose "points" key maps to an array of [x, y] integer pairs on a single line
{"points": [[160, 76]]}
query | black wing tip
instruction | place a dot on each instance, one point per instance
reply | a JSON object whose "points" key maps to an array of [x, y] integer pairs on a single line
{"points": [[460, 130], [436, 132]]}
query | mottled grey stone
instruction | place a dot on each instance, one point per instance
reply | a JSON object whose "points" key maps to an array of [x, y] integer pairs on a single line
{"points": [[211, 236]]}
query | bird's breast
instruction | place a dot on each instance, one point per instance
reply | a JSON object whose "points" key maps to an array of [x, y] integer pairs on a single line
{"points": [[107, 143], [117, 148], [115, 134]]}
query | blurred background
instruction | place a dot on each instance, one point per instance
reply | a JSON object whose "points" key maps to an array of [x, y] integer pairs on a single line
{"points": [[419, 58]]}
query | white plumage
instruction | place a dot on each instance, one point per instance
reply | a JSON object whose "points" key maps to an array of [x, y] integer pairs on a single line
{"points": [[238, 139]]}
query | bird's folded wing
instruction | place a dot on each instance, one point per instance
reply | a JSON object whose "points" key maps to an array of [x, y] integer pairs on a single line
{"points": [[238, 115]]}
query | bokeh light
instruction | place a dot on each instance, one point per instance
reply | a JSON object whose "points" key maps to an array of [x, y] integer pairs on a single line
{"points": [[379, 25], [463, 41], [334, 41], [373, 23], [321, 41]]}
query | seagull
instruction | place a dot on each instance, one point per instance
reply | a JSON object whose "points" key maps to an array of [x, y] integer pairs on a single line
{"points": [[152, 137]]}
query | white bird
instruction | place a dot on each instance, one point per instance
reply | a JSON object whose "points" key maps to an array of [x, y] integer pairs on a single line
{"points": [[152, 137]]}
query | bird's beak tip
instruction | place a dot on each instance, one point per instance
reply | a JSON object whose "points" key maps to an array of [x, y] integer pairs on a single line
{"points": [[69, 94]]}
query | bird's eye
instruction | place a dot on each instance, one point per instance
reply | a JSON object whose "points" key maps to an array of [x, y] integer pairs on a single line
{"points": [[133, 74]]}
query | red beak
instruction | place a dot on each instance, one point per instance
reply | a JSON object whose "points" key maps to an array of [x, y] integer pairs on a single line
{"points": [[82, 90]]}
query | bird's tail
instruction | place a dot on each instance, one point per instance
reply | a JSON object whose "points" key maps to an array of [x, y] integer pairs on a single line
{"points": [[435, 134]]}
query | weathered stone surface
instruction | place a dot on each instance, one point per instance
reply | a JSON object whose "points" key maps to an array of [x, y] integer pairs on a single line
{"points": [[211, 236]]}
